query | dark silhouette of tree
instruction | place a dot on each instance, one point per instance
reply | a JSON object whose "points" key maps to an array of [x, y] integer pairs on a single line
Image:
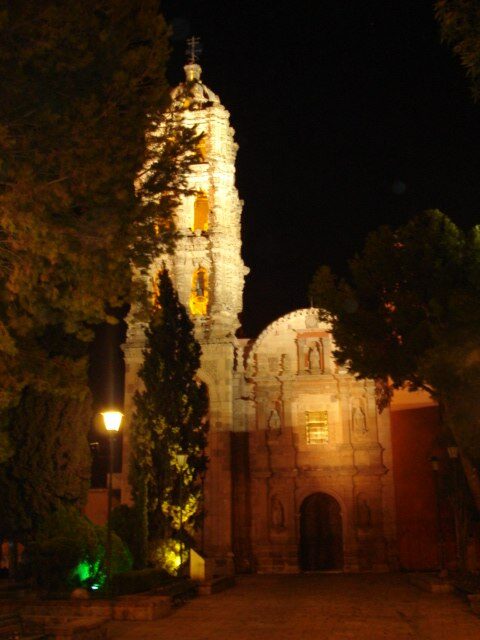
{"points": [[90, 170], [460, 27], [49, 466], [409, 316]]}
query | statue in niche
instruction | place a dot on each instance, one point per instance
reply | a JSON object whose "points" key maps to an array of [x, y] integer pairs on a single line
{"points": [[200, 283], [364, 513], [359, 422], [274, 422], [314, 357], [277, 514]]}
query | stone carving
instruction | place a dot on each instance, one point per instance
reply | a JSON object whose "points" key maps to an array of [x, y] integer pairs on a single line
{"points": [[274, 422], [359, 422], [364, 513], [310, 355], [277, 514], [315, 356]]}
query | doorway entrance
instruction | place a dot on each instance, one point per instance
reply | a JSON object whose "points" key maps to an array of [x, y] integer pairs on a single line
{"points": [[321, 534]]}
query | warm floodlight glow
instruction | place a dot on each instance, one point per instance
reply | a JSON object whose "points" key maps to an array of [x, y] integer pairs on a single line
{"points": [[112, 420]]}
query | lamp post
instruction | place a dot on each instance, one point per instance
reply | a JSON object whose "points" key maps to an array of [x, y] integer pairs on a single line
{"points": [[458, 512], [434, 461], [112, 420], [181, 462]]}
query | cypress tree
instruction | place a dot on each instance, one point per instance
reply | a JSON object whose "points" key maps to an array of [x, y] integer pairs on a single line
{"points": [[170, 418]]}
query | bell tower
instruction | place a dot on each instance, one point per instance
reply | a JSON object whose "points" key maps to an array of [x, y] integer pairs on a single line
{"points": [[207, 266], [208, 272]]}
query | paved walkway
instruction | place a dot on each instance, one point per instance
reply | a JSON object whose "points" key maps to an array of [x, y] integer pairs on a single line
{"points": [[313, 607]]}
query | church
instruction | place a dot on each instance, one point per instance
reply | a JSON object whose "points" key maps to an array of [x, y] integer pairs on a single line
{"points": [[302, 473]]}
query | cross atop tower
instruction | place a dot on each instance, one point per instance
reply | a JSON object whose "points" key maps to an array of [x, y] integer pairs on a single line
{"points": [[193, 50]]}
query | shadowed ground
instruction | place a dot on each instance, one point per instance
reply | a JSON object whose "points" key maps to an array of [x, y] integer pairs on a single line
{"points": [[313, 606]]}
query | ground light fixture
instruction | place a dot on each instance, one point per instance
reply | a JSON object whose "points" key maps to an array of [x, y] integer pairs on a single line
{"points": [[112, 420]]}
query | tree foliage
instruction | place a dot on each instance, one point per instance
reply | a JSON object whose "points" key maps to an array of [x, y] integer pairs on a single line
{"points": [[460, 28], [170, 418], [83, 91], [410, 315], [49, 465]]}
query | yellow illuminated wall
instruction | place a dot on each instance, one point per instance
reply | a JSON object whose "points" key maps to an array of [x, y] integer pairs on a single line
{"points": [[156, 288]]}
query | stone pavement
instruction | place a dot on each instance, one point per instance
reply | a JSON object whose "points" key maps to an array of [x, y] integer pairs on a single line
{"points": [[313, 606]]}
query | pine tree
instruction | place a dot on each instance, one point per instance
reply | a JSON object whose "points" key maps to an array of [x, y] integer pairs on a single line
{"points": [[170, 418]]}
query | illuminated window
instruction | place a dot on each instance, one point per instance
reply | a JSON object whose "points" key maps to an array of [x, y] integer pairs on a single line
{"points": [[317, 427], [200, 213], [199, 295]]}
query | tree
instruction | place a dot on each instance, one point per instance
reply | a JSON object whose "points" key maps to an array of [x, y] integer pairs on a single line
{"points": [[460, 27], [83, 89], [169, 419], [409, 316], [49, 467]]}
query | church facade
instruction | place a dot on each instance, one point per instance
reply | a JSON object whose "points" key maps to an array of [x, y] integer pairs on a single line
{"points": [[300, 472]]}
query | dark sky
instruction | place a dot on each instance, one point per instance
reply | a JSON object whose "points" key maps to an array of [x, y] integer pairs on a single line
{"points": [[349, 114]]}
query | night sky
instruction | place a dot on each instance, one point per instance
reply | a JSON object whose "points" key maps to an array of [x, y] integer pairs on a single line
{"points": [[349, 114]]}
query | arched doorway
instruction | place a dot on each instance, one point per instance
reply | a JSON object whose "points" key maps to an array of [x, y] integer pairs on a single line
{"points": [[321, 536]]}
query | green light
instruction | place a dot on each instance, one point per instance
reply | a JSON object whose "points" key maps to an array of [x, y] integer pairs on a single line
{"points": [[82, 571], [88, 574]]}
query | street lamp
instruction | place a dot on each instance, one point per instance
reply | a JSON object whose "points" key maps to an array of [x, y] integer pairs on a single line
{"points": [[434, 461], [181, 459], [458, 512], [112, 420]]}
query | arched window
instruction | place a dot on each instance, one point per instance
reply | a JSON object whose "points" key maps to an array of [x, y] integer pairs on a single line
{"points": [[199, 295], [200, 212]]}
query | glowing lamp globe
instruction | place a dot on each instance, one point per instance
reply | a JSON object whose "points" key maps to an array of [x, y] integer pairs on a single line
{"points": [[181, 459], [112, 420]]}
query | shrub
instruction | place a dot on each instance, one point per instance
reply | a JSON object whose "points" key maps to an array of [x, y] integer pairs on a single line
{"points": [[69, 552]]}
